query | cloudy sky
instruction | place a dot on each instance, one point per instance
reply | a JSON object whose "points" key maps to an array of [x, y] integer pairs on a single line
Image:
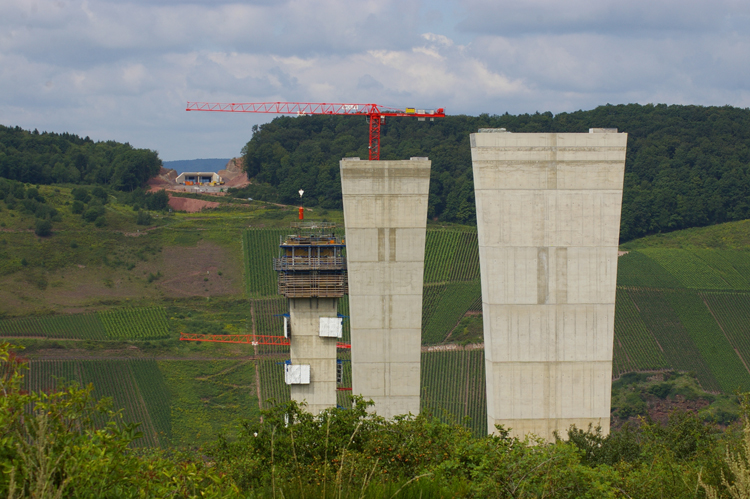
{"points": [[125, 70]]}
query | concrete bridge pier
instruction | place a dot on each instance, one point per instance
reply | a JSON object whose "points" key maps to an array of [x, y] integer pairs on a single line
{"points": [[385, 216], [548, 220]]}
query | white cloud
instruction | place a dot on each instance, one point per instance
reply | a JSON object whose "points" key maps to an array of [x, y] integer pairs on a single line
{"points": [[124, 71]]}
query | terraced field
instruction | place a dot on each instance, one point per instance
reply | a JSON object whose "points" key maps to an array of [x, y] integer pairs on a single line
{"points": [[113, 379], [146, 323], [690, 307], [260, 247], [453, 387], [636, 349]]}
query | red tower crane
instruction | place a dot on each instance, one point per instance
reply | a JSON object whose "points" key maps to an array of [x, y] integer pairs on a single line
{"points": [[374, 112]]}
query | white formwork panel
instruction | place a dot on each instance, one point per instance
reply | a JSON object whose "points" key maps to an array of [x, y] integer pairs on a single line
{"points": [[330, 327], [297, 374]]}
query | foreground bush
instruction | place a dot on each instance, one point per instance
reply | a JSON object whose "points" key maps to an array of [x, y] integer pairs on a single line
{"points": [[68, 444], [71, 445]]}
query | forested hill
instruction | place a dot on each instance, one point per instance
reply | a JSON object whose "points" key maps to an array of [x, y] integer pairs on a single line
{"points": [[687, 166], [47, 158]]}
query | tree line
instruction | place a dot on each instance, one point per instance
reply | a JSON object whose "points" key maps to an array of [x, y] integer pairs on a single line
{"points": [[51, 158], [686, 166]]}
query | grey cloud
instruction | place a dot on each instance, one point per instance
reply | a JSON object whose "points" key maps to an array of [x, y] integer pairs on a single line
{"points": [[367, 82], [124, 71], [635, 17]]}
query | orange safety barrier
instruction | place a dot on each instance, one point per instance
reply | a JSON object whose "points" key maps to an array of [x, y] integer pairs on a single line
{"points": [[248, 339]]}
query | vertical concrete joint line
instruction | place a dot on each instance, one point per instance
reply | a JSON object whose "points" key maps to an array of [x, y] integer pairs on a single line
{"points": [[552, 164], [561, 274], [542, 275], [381, 244], [391, 245], [539, 219]]}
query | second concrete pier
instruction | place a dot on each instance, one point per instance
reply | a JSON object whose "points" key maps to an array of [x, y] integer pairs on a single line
{"points": [[385, 216]]}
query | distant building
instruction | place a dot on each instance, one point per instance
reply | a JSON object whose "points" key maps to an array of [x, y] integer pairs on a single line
{"points": [[199, 178]]}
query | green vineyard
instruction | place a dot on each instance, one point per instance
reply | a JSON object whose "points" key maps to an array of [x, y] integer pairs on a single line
{"points": [[635, 347], [260, 247], [685, 309], [453, 387], [125, 324], [135, 323], [114, 379], [78, 327], [732, 312], [452, 303]]}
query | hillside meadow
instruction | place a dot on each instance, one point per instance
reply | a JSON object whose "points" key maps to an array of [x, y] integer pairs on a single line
{"points": [[104, 304]]}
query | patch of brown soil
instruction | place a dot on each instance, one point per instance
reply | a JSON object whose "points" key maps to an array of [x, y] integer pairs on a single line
{"points": [[659, 409], [79, 288], [190, 205], [233, 174], [193, 271], [239, 181], [164, 180]]}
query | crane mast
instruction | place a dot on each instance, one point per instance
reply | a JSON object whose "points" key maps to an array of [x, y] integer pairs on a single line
{"points": [[374, 112]]}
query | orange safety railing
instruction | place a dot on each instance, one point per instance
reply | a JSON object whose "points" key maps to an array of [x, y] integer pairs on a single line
{"points": [[248, 339]]}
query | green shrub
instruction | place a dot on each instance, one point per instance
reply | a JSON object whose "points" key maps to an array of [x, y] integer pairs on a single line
{"points": [[143, 218], [100, 193], [661, 390], [77, 207], [100, 221], [81, 194], [93, 213], [43, 228], [158, 201], [633, 406]]}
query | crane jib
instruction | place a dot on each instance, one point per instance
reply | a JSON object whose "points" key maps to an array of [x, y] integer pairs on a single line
{"points": [[374, 112]]}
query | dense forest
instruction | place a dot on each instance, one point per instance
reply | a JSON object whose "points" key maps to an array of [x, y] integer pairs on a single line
{"points": [[687, 166], [51, 158]]}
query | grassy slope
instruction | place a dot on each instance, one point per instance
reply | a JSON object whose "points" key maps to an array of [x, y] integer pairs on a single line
{"points": [[202, 268]]}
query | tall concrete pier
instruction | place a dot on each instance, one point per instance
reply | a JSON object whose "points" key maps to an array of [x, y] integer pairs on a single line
{"points": [[385, 216], [548, 216]]}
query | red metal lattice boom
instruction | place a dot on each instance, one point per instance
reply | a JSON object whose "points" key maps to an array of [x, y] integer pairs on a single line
{"points": [[374, 112]]}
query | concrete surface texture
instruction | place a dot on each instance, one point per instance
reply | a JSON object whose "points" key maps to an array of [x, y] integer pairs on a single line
{"points": [[548, 216], [307, 347], [385, 216]]}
